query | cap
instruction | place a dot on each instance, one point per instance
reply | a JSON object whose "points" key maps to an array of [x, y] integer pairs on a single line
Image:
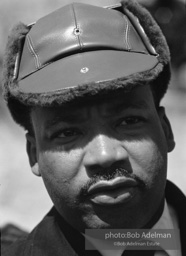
{"points": [[79, 44], [83, 49]]}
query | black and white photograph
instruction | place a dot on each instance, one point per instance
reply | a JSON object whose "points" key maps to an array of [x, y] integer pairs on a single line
{"points": [[93, 127]]}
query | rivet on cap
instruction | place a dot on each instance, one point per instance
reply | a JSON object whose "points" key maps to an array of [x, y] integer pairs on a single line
{"points": [[84, 70], [77, 31]]}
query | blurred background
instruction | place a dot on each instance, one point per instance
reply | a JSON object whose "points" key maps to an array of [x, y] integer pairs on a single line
{"points": [[23, 200]]}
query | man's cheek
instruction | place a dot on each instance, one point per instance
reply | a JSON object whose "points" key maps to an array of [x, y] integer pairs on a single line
{"points": [[58, 171], [147, 159], [56, 164]]}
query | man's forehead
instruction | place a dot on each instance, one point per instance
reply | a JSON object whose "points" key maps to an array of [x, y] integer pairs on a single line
{"points": [[137, 98]]}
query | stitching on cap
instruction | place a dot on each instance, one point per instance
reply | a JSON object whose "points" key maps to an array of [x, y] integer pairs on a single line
{"points": [[77, 26], [129, 28], [125, 41], [33, 52], [126, 33], [37, 55]]}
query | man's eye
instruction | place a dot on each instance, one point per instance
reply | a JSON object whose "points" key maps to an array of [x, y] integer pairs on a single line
{"points": [[132, 120], [70, 132]]}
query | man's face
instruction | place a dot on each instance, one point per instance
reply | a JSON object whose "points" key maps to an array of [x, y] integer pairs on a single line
{"points": [[103, 164]]}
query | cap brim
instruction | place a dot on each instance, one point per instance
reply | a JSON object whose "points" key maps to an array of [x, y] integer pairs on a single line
{"points": [[86, 67]]}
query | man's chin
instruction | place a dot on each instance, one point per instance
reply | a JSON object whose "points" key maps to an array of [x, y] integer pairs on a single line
{"points": [[110, 222]]}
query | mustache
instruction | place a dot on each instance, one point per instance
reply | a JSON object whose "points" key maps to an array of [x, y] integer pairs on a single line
{"points": [[109, 175]]}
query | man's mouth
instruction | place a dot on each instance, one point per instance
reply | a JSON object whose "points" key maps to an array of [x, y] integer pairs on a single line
{"points": [[113, 192]]}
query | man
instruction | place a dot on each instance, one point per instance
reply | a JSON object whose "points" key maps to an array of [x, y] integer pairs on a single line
{"points": [[86, 83]]}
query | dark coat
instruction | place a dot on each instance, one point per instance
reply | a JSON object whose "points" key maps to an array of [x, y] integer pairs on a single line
{"points": [[54, 237]]}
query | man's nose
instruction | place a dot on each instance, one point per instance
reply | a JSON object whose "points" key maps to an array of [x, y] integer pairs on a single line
{"points": [[103, 152]]}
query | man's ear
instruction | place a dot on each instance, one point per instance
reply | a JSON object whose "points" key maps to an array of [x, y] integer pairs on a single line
{"points": [[166, 128], [32, 153]]}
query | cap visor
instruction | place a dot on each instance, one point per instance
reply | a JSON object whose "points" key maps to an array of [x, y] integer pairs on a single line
{"points": [[86, 67]]}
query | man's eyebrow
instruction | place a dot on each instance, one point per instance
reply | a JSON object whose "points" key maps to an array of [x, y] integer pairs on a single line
{"points": [[77, 118], [128, 105], [65, 118]]}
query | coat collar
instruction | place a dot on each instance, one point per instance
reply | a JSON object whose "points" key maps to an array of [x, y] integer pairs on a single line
{"points": [[177, 200]]}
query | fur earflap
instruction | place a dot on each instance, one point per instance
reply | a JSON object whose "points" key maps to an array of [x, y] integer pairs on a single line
{"points": [[13, 47]]}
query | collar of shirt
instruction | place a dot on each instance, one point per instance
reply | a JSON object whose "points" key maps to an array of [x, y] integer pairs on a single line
{"points": [[168, 220]]}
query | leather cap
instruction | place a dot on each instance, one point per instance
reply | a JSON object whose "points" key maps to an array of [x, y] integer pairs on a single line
{"points": [[81, 43]]}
